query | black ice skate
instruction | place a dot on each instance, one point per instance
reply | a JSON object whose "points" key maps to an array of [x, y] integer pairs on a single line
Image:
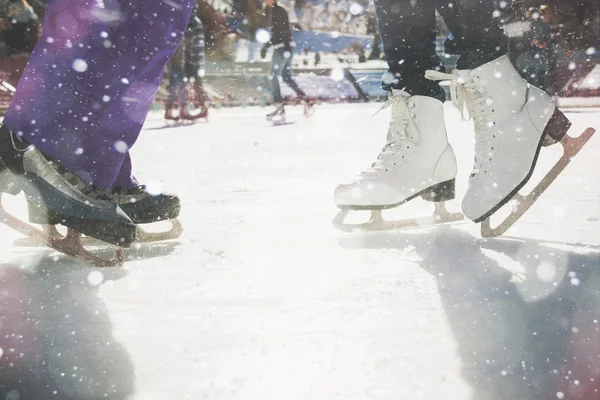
{"points": [[147, 208], [59, 196], [139, 205]]}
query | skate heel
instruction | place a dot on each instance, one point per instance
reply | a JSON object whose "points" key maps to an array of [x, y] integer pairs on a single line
{"points": [[443, 191], [557, 127]]}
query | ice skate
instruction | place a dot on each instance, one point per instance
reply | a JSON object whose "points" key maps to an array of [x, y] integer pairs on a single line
{"points": [[147, 208], [173, 113], [277, 116], [198, 112], [59, 196], [309, 107], [417, 161], [137, 203], [196, 108], [513, 121]]}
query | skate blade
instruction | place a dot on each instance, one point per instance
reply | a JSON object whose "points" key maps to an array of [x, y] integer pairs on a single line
{"points": [[143, 236], [377, 223], [571, 146], [69, 244]]}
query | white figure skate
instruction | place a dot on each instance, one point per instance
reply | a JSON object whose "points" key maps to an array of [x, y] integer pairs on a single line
{"points": [[513, 121], [277, 116], [417, 160]]}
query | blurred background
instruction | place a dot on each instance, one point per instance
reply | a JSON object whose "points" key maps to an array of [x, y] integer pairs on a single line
{"points": [[339, 57]]}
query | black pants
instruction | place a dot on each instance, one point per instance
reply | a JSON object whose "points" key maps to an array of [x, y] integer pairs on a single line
{"points": [[408, 32]]}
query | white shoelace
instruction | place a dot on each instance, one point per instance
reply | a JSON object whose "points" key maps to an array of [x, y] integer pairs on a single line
{"points": [[469, 93], [402, 129]]}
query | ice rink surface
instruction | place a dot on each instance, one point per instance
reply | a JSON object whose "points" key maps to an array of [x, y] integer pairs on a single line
{"points": [[262, 298]]}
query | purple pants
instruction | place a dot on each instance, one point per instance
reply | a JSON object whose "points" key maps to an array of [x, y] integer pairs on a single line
{"points": [[91, 79]]}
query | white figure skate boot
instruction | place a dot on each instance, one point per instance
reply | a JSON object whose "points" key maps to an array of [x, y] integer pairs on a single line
{"points": [[513, 120], [417, 160]]}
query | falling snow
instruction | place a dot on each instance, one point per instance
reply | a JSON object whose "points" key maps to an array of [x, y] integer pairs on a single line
{"points": [[80, 65]]}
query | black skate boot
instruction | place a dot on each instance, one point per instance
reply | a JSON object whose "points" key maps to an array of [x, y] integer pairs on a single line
{"points": [[57, 196], [146, 208]]}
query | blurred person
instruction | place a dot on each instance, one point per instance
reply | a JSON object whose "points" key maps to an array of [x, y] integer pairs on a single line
{"points": [[19, 25], [79, 109], [256, 21], [281, 63], [537, 58], [186, 72], [299, 6], [20, 31]]}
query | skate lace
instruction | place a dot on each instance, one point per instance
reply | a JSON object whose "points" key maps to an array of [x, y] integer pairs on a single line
{"points": [[402, 129], [470, 93]]}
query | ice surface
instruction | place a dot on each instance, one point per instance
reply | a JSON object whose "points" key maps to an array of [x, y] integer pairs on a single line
{"points": [[263, 299]]}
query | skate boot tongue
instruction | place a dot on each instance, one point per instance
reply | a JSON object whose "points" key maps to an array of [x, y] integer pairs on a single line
{"points": [[402, 128], [469, 92]]}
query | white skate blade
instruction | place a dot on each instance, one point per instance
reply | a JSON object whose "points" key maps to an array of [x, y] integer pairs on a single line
{"points": [[377, 223], [143, 236], [277, 119], [571, 146]]}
